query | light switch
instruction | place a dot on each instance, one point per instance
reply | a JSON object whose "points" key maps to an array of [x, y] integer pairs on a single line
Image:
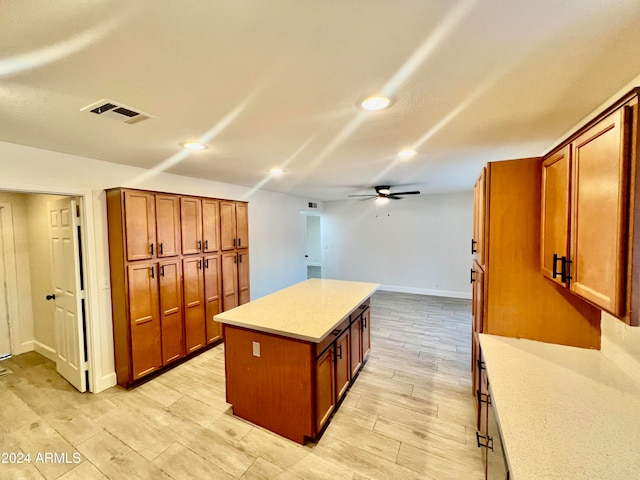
{"points": [[256, 349]]}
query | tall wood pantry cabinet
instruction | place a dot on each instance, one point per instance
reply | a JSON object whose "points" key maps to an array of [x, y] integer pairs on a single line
{"points": [[168, 277], [509, 295], [590, 209]]}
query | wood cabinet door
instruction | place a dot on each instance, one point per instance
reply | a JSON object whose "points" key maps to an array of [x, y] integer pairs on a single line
{"points": [[211, 225], [244, 294], [168, 225], [171, 318], [477, 298], [242, 224], [228, 238], [325, 388], [146, 351], [194, 309], [554, 226], [229, 280], [342, 361], [140, 225], [191, 225], [479, 213], [366, 333], [355, 332], [212, 295], [598, 212]]}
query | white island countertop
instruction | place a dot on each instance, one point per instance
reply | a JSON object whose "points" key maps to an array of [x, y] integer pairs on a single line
{"points": [[308, 311], [564, 412]]}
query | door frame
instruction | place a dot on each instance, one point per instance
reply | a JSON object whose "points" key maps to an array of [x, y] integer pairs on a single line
{"points": [[11, 274], [90, 269]]}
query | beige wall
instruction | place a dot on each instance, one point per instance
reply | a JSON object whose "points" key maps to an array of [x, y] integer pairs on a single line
{"points": [[20, 302]]}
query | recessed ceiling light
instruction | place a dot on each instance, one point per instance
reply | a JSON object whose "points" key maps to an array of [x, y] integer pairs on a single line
{"points": [[194, 146], [375, 103], [407, 153], [276, 171]]}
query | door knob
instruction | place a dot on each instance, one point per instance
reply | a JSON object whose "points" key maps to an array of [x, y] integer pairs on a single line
{"points": [[51, 297]]}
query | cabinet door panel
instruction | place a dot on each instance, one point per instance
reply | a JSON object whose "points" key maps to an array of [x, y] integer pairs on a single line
{"points": [[191, 225], [366, 333], [325, 388], [229, 281], [242, 224], [228, 238], [554, 234], [171, 311], [212, 294], [243, 278], [211, 225], [140, 225], [343, 369], [168, 225], [146, 355], [355, 331], [600, 161], [479, 196], [194, 309]]}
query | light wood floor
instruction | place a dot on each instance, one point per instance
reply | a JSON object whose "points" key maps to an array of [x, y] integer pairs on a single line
{"points": [[409, 415]]}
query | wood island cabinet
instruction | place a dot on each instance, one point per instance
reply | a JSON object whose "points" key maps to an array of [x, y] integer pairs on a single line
{"points": [[325, 387], [288, 385], [167, 277], [589, 210]]}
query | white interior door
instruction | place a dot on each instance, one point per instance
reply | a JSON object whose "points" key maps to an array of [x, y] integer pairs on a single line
{"points": [[5, 339], [69, 329]]}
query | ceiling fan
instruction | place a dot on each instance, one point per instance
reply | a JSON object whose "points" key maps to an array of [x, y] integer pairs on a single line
{"points": [[384, 192]]}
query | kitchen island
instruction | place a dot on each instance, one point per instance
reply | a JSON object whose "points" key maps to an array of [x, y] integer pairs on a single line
{"points": [[290, 356]]}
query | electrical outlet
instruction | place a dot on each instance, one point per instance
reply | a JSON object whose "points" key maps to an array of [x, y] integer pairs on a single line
{"points": [[256, 349]]}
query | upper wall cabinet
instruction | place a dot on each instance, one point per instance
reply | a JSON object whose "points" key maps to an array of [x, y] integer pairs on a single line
{"points": [[140, 225], [191, 224], [589, 198], [168, 225], [211, 225], [554, 243]]}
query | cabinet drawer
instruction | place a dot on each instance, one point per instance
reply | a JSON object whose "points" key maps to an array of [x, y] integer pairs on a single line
{"points": [[358, 311], [329, 339]]}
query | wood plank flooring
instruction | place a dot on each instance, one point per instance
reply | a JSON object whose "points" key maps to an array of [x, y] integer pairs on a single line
{"points": [[409, 414]]}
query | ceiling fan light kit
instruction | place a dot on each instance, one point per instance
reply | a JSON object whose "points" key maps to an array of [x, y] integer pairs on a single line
{"points": [[383, 194]]}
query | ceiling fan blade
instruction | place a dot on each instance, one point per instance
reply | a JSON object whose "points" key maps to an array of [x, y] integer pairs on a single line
{"points": [[393, 197], [414, 192]]}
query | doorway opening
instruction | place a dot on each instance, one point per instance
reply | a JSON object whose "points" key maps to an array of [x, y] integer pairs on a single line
{"points": [[42, 281], [314, 250]]}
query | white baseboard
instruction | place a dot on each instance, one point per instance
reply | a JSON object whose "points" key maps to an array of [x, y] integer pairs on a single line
{"points": [[426, 291], [44, 350], [105, 382], [24, 347]]}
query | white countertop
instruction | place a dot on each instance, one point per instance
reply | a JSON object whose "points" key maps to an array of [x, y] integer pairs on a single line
{"points": [[564, 412], [308, 311]]}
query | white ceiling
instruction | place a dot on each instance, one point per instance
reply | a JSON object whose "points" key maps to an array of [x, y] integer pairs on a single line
{"points": [[276, 83]]}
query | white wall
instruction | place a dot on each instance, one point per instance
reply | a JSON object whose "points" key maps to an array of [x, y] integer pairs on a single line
{"points": [[22, 313], [276, 228], [419, 244]]}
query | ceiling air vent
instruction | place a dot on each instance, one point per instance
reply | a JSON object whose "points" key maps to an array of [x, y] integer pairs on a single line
{"points": [[116, 111]]}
